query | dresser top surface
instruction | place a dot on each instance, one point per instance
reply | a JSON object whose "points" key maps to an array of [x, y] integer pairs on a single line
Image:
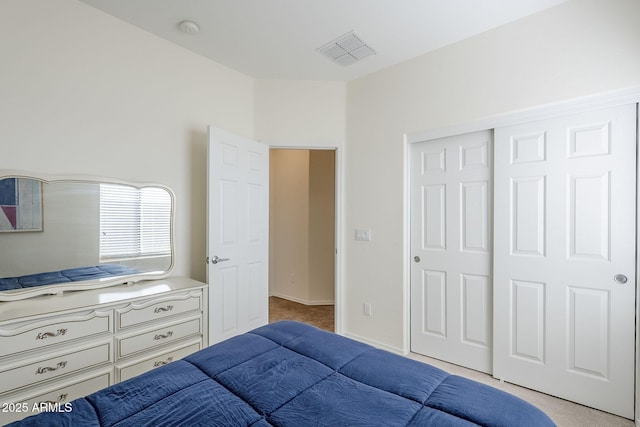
{"points": [[53, 304]]}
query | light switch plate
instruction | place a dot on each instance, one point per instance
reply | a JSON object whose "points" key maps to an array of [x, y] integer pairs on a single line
{"points": [[363, 234], [366, 309]]}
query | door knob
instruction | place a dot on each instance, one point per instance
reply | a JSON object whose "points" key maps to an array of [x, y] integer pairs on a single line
{"points": [[416, 258], [620, 279], [216, 259]]}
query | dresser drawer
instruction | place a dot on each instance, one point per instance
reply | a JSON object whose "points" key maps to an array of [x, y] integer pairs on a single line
{"points": [[159, 308], [55, 366], [126, 371], [169, 333], [59, 393], [35, 335]]}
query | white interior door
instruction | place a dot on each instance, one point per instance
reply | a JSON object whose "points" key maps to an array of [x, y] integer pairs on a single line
{"points": [[451, 293], [564, 250], [237, 234]]}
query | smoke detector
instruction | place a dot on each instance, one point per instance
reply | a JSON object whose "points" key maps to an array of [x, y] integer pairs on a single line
{"points": [[189, 27], [346, 49]]}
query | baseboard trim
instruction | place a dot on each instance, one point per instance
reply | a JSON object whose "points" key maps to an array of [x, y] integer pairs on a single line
{"points": [[376, 344], [302, 301]]}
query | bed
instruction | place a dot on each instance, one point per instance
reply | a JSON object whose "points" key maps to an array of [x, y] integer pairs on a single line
{"points": [[293, 374], [65, 276]]}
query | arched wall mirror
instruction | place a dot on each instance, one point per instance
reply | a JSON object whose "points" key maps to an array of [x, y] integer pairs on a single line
{"points": [[66, 233]]}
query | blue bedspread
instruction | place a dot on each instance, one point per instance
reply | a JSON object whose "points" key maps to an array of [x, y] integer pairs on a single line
{"points": [[292, 374], [65, 276]]}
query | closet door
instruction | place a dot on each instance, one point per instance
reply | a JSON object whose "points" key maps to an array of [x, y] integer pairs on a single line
{"points": [[564, 249], [451, 249]]}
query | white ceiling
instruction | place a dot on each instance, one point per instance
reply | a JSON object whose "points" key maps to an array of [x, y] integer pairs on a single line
{"points": [[277, 39]]}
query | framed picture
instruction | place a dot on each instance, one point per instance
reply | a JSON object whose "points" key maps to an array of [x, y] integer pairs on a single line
{"points": [[20, 205]]}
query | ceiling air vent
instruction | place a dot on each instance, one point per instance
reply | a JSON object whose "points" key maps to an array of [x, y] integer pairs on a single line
{"points": [[346, 49]]}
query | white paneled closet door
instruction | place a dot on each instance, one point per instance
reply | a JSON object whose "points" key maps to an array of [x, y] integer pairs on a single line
{"points": [[451, 293], [564, 250]]}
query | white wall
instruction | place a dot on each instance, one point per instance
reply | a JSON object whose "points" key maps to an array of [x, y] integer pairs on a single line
{"points": [[322, 226], [82, 92], [300, 113], [579, 48], [289, 224]]}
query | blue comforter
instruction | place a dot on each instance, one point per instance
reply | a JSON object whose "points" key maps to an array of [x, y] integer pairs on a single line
{"points": [[291, 374], [65, 276]]}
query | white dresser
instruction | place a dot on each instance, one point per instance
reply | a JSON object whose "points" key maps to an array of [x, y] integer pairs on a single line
{"points": [[54, 349]]}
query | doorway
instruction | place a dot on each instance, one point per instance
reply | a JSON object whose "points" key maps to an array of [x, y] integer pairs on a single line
{"points": [[302, 235]]}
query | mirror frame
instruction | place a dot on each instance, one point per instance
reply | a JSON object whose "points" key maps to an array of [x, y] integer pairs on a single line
{"points": [[60, 288]]}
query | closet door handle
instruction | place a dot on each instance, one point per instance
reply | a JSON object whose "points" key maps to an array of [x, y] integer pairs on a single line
{"points": [[620, 279]]}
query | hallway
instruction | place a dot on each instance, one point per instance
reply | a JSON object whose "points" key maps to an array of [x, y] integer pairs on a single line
{"points": [[320, 316]]}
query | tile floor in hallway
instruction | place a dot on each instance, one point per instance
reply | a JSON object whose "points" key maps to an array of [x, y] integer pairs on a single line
{"points": [[320, 316]]}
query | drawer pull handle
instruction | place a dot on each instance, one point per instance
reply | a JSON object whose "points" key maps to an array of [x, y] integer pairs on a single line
{"points": [[161, 337], [43, 335], [163, 362], [61, 399], [45, 369], [161, 309]]}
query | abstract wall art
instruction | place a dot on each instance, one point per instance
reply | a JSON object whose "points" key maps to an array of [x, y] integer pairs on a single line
{"points": [[20, 205]]}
